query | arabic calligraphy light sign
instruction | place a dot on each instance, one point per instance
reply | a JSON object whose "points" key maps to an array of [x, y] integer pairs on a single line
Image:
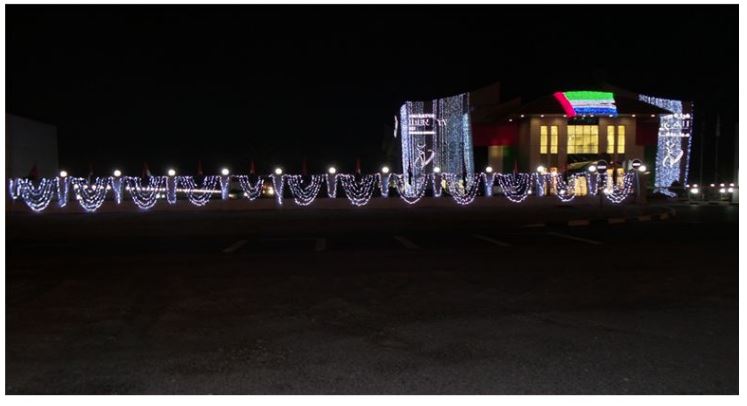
{"points": [[673, 143], [436, 133]]}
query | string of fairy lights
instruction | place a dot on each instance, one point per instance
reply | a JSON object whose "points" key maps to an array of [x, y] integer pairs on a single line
{"points": [[304, 190]]}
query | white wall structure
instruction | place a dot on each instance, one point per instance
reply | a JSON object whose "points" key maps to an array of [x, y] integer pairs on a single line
{"points": [[28, 143]]}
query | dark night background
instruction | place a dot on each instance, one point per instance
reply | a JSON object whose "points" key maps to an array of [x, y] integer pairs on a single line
{"points": [[172, 85]]}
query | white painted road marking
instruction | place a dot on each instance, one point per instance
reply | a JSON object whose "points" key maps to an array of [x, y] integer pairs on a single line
{"points": [[570, 237], [234, 247], [406, 243], [490, 240], [321, 244], [578, 222]]}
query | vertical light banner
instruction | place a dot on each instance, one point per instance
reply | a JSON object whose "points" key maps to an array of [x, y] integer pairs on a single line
{"points": [[436, 133], [673, 144]]}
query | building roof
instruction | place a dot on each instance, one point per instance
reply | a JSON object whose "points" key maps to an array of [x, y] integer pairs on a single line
{"points": [[549, 105]]}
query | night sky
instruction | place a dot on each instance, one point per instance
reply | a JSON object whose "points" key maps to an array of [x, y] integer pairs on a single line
{"points": [[171, 85]]}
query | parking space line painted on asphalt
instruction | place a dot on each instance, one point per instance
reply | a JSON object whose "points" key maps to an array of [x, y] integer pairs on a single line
{"points": [[321, 244], [406, 243], [491, 240], [574, 238], [573, 223], [234, 247]]}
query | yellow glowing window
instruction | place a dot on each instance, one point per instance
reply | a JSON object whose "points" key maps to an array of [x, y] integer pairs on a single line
{"points": [[543, 139], [583, 139], [615, 142], [610, 139], [620, 139], [548, 143]]}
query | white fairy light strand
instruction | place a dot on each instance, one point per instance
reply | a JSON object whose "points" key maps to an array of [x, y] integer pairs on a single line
{"points": [[145, 197], [251, 192], [90, 196], [37, 198], [198, 195], [409, 192], [463, 191], [358, 192], [304, 195]]}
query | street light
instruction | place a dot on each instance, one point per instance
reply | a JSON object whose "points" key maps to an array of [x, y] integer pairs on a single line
{"points": [[171, 172], [63, 174], [332, 170], [278, 171], [489, 169], [384, 169], [436, 169], [117, 173], [642, 168], [541, 169]]}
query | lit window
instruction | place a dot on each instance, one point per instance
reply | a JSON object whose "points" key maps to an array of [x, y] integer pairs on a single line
{"points": [[610, 139], [620, 139], [583, 139], [613, 141], [543, 139], [553, 139], [550, 144]]}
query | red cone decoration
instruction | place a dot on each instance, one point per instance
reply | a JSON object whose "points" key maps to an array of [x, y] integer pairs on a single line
{"points": [[34, 174]]}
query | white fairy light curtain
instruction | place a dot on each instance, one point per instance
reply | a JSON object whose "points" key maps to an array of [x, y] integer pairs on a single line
{"points": [[358, 189]]}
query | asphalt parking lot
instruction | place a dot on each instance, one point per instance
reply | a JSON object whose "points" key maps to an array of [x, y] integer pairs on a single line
{"points": [[372, 302]]}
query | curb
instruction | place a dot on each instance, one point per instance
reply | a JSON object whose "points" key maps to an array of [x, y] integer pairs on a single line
{"points": [[643, 218]]}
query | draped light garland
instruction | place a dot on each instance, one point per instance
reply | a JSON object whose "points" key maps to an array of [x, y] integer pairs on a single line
{"points": [[37, 198], [198, 195], [90, 197], [566, 190], [515, 186], [304, 195], [616, 194], [145, 197], [251, 192], [359, 190], [411, 192], [463, 191]]}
